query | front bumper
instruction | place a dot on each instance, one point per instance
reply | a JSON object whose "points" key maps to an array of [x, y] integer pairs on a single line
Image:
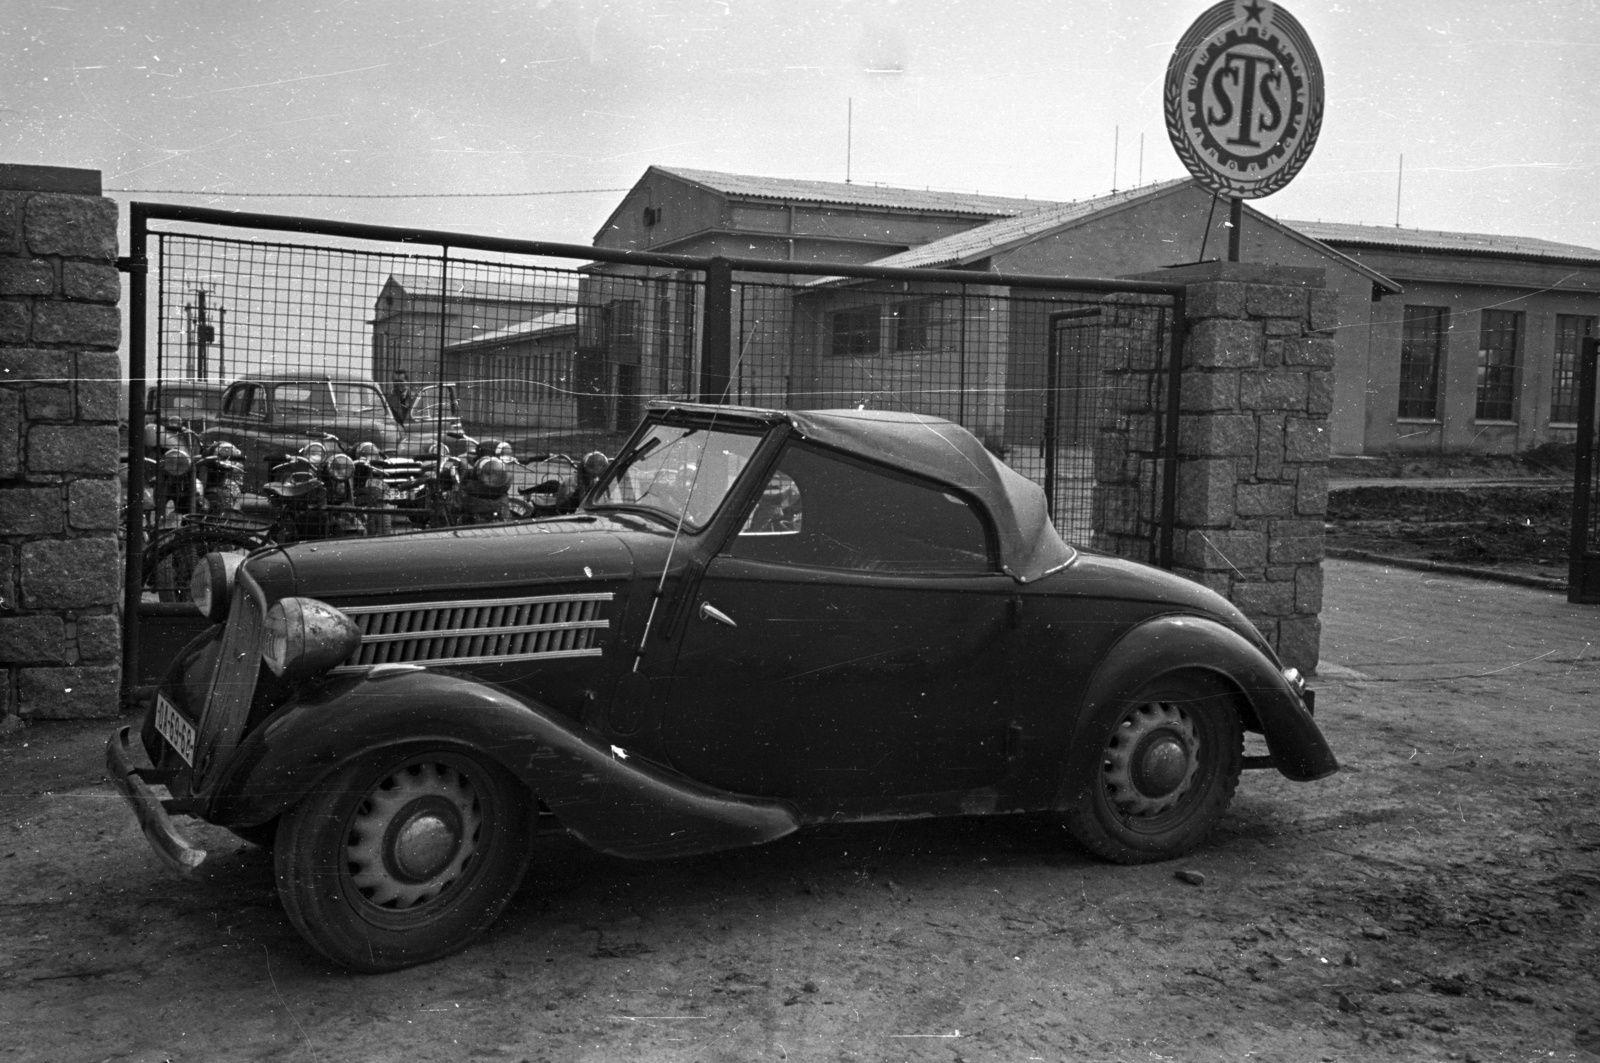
{"points": [[176, 851]]}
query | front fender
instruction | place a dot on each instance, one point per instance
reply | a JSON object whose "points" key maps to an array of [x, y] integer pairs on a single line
{"points": [[615, 803], [1173, 643]]}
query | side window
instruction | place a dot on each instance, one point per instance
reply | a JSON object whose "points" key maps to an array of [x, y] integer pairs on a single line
{"points": [[823, 510], [245, 402]]}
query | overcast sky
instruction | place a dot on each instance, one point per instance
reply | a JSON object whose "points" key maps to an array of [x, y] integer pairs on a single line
{"points": [[1495, 105]]}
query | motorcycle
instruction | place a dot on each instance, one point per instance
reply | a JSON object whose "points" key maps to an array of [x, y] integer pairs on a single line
{"points": [[559, 495], [312, 493], [193, 500], [384, 486], [187, 478], [468, 488]]}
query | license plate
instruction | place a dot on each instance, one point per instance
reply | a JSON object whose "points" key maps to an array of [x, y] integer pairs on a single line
{"points": [[178, 732]]}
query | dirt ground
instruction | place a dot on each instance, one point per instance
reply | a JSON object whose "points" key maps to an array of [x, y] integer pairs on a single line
{"points": [[1439, 898], [1508, 526]]}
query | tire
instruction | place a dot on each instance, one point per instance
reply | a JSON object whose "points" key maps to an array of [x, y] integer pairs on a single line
{"points": [[170, 559], [1168, 764], [342, 870]]}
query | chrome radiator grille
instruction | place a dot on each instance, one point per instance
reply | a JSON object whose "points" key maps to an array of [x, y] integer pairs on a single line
{"points": [[479, 631]]}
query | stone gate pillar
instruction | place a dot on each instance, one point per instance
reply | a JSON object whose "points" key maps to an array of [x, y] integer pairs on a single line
{"points": [[1253, 444], [60, 400]]}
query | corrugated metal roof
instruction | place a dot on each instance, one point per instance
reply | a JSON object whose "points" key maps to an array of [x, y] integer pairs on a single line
{"points": [[977, 242], [854, 195], [554, 321], [1383, 236], [533, 286]]}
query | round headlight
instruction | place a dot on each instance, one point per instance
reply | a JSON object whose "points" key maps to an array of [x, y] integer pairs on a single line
{"points": [[368, 451], [313, 452], [304, 636], [176, 461], [341, 466], [503, 451], [492, 472], [594, 463], [211, 588]]}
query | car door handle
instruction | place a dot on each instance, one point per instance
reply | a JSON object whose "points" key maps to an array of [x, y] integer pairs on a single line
{"points": [[711, 612]]}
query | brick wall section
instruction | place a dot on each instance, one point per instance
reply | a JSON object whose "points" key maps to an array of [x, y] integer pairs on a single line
{"points": [[1253, 447], [60, 562]]}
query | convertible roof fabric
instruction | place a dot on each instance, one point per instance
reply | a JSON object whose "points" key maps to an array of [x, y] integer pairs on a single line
{"points": [[940, 450]]}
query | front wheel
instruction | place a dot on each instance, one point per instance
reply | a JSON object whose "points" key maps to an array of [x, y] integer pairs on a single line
{"points": [[1168, 766], [401, 858]]}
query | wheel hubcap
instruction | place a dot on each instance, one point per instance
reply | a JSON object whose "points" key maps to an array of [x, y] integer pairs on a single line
{"points": [[424, 838], [413, 835], [1160, 764], [1151, 759]]}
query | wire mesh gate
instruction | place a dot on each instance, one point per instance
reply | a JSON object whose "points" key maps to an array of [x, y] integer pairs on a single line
{"points": [[411, 341], [1583, 576]]}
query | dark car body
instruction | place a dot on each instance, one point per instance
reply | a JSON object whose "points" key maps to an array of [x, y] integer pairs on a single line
{"points": [[270, 415], [194, 402], [816, 617]]}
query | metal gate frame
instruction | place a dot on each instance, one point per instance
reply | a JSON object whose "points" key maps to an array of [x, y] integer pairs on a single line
{"points": [[1583, 555], [716, 359]]}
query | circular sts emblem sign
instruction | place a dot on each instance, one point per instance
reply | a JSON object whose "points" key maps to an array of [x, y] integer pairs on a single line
{"points": [[1244, 98]]}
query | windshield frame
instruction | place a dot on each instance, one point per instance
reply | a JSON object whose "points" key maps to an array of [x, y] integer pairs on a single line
{"points": [[648, 441]]}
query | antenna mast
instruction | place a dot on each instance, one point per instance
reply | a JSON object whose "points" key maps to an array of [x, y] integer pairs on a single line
{"points": [[1398, 182], [1116, 142]]}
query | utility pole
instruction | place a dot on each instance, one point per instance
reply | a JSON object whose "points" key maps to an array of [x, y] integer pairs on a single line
{"points": [[203, 335]]}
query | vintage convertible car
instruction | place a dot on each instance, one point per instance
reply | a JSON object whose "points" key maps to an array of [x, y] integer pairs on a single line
{"points": [[758, 620]]}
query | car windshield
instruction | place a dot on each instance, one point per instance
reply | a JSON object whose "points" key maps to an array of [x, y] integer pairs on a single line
{"points": [[435, 402], [679, 472], [328, 399]]}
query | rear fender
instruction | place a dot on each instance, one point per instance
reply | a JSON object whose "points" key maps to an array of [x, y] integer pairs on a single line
{"points": [[1184, 643], [613, 802]]}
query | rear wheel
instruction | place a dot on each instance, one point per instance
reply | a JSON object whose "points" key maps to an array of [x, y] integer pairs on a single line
{"points": [[1168, 766], [401, 858]]}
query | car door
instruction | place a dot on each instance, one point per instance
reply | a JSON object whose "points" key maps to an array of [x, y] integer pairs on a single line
{"points": [[242, 421], [848, 646]]}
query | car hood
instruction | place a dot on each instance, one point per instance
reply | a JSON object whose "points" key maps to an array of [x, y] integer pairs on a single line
{"points": [[350, 431], [486, 558]]}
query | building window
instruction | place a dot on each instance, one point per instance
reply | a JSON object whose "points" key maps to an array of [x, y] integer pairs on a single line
{"points": [[1421, 351], [1570, 333], [856, 332], [910, 323], [1498, 346]]}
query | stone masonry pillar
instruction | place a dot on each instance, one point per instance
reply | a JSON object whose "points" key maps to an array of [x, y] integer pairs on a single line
{"points": [[60, 400], [1253, 444]]}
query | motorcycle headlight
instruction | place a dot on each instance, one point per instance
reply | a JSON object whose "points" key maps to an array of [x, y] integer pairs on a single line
{"points": [[341, 466], [368, 451], [304, 636], [313, 452], [176, 461], [503, 451], [492, 472], [211, 587]]}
